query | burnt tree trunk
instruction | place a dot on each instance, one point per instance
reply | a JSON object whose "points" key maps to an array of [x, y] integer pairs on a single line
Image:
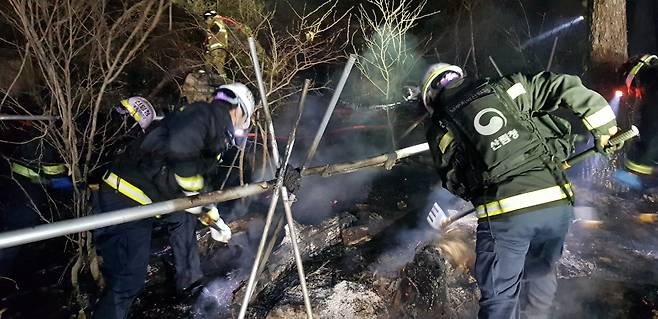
{"points": [[608, 41]]}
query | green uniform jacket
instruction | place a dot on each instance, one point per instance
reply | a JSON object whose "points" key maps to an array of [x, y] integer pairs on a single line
{"points": [[535, 97]]}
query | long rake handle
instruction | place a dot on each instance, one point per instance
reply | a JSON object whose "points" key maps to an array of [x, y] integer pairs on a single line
{"points": [[617, 139]]}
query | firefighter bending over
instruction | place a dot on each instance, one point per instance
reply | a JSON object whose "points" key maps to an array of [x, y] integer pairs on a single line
{"points": [[171, 161], [495, 143]]}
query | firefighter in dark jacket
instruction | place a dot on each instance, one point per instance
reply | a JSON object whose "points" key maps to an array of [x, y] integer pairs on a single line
{"points": [[130, 120], [36, 171], [171, 161], [495, 143], [641, 79]]}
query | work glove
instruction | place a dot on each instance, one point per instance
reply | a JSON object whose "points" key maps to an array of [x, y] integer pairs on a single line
{"points": [[411, 93], [602, 145], [219, 231], [292, 178]]}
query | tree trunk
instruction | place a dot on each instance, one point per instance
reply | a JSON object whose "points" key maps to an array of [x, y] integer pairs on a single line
{"points": [[607, 38]]}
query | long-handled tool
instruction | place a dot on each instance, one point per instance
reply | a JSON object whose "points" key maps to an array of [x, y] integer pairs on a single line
{"points": [[281, 220], [439, 219], [309, 156], [279, 189]]}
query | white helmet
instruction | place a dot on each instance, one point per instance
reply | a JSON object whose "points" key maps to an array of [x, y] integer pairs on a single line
{"points": [[139, 109], [432, 83], [242, 98]]}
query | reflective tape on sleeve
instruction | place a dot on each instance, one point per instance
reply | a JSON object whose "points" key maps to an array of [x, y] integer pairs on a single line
{"points": [[192, 183], [638, 168], [216, 45], [24, 171], [126, 188], [599, 118], [54, 169], [445, 141], [516, 90]]}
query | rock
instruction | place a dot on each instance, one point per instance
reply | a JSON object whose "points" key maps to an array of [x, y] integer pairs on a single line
{"points": [[345, 300]]}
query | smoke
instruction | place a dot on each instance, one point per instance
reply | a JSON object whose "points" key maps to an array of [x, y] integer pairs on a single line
{"points": [[350, 136], [227, 267], [405, 244], [215, 299]]}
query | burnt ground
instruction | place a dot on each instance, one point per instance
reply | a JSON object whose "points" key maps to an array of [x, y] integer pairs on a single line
{"points": [[609, 270]]}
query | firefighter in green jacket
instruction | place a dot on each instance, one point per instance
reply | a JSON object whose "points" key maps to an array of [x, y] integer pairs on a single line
{"points": [[495, 143]]}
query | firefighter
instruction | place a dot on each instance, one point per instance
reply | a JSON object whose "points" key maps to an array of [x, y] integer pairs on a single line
{"points": [[216, 41], [641, 162], [196, 87], [217, 53], [36, 172], [172, 160], [495, 143], [197, 84], [134, 112]]}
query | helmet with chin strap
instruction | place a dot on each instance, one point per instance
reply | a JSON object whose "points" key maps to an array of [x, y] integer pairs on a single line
{"points": [[139, 109]]}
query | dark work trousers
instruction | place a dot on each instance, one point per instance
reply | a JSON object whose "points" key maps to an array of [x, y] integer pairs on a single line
{"points": [[19, 208], [516, 262], [125, 249]]}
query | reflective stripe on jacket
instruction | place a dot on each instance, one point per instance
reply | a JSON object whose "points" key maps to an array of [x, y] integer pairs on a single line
{"points": [[640, 168], [36, 176], [521, 201], [126, 188]]}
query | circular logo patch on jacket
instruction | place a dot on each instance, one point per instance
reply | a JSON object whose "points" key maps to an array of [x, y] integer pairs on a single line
{"points": [[495, 122]]}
